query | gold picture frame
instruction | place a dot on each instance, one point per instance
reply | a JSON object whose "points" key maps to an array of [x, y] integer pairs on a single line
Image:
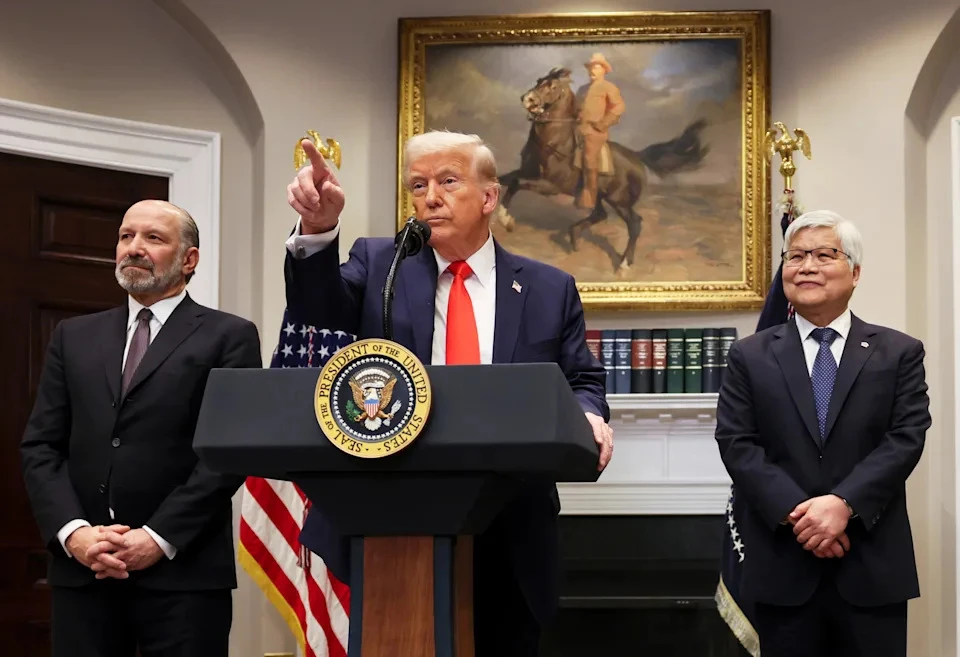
{"points": [[673, 69]]}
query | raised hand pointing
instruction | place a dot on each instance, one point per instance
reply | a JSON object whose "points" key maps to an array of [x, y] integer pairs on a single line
{"points": [[315, 193]]}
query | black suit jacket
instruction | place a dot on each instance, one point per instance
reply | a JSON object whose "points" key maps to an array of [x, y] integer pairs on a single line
{"points": [[542, 322], [86, 449], [770, 443]]}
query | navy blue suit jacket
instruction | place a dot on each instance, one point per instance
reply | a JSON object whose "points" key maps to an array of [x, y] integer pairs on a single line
{"points": [[770, 442], [542, 323]]}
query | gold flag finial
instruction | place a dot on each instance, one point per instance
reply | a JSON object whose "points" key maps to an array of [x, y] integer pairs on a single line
{"points": [[785, 145], [330, 151]]}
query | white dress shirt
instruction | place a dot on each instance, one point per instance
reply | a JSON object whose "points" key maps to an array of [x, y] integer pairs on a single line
{"points": [[811, 347], [481, 286], [161, 313]]}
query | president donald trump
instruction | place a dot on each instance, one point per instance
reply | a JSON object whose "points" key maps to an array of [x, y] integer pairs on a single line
{"points": [[461, 300]]}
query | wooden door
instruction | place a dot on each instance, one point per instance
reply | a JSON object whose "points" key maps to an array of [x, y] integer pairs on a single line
{"points": [[59, 232]]}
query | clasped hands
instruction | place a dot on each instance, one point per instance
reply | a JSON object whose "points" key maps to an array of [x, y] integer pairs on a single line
{"points": [[820, 525], [113, 551]]}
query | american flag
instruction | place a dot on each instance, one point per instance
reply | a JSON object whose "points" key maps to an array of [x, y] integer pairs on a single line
{"points": [[313, 602]]}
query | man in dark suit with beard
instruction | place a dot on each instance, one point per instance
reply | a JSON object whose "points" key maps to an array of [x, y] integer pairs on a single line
{"points": [[462, 300], [139, 531], [820, 421]]}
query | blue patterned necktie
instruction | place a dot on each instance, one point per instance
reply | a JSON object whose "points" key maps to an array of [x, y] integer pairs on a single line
{"points": [[823, 375]]}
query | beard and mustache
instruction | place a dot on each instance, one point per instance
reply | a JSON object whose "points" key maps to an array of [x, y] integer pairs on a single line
{"points": [[149, 279]]}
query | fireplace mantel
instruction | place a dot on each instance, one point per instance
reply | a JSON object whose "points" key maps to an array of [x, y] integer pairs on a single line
{"points": [[665, 460]]}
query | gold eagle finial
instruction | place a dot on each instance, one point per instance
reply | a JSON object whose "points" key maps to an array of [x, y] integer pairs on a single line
{"points": [[330, 151], [785, 145]]}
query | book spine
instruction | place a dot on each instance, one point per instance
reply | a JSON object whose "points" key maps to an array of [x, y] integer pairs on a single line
{"points": [[659, 350], [593, 343], [622, 362], [711, 360], [674, 360], [608, 344], [641, 361], [727, 337], [693, 360]]}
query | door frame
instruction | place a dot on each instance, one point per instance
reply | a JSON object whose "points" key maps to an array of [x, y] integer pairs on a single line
{"points": [[189, 158], [955, 193]]}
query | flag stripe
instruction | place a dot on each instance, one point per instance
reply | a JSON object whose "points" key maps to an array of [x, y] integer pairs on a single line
{"points": [[276, 579], [318, 631], [318, 603], [274, 504], [313, 602], [317, 624], [293, 499], [279, 514], [287, 561], [337, 596]]}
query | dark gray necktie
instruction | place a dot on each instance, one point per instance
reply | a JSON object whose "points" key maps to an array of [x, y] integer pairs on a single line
{"points": [[138, 347]]}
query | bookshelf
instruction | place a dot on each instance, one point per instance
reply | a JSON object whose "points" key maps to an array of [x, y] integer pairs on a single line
{"points": [[662, 360], [684, 401], [665, 460]]}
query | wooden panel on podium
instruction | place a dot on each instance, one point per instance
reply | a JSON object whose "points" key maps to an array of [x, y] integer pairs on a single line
{"points": [[403, 583], [463, 596], [398, 597]]}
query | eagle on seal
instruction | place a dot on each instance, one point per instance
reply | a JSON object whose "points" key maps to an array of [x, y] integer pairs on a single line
{"points": [[372, 400]]}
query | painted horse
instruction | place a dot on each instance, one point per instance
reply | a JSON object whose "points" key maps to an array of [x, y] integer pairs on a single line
{"points": [[547, 160]]}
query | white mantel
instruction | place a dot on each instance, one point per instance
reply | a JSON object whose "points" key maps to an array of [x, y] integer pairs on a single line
{"points": [[665, 460]]}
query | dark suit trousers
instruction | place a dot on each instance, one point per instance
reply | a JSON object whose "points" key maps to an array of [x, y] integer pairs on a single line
{"points": [[112, 618], [503, 625], [829, 626]]}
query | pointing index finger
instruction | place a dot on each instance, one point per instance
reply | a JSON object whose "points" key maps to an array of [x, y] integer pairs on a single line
{"points": [[320, 168]]}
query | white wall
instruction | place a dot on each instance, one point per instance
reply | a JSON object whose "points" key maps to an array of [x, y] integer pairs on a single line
{"points": [[842, 71], [935, 483]]}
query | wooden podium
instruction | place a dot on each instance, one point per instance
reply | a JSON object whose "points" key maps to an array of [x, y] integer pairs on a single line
{"points": [[410, 516]]}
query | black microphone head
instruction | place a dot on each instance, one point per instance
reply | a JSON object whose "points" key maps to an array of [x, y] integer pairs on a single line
{"points": [[424, 229], [413, 237]]}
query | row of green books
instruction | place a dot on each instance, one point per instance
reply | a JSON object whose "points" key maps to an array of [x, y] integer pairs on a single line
{"points": [[662, 360]]}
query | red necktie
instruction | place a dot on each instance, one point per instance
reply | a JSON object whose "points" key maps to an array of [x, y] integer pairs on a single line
{"points": [[463, 345]]}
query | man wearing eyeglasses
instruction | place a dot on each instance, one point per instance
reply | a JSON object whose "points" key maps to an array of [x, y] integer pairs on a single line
{"points": [[819, 423]]}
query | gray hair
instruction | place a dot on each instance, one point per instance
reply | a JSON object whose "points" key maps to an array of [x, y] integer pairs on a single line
{"points": [[442, 141], [189, 236], [850, 241]]}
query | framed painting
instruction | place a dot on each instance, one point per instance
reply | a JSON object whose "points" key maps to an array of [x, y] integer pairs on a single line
{"points": [[629, 146]]}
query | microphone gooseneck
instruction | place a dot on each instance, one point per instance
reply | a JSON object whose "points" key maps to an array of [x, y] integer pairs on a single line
{"points": [[408, 242]]}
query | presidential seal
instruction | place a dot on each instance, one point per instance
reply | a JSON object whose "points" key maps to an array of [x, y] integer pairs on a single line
{"points": [[372, 398]]}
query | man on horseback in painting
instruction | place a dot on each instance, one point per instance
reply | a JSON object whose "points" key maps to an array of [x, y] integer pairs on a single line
{"points": [[564, 134], [600, 107]]}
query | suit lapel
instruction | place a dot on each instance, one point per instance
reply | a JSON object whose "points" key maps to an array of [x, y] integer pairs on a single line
{"points": [[419, 277], [789, 354], [184, 320], [113, 342], [851, 362], [509, 305]]}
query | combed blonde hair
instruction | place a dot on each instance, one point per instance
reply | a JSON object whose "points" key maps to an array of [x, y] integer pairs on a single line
{"points": [[443, 141]]}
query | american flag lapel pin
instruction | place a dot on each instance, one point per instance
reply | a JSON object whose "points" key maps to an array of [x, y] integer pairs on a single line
{"points": [[516, 287]]}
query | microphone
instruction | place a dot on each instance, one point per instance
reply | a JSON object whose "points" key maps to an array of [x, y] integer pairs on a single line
{"points": [[413, 237], [408, 242]]}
